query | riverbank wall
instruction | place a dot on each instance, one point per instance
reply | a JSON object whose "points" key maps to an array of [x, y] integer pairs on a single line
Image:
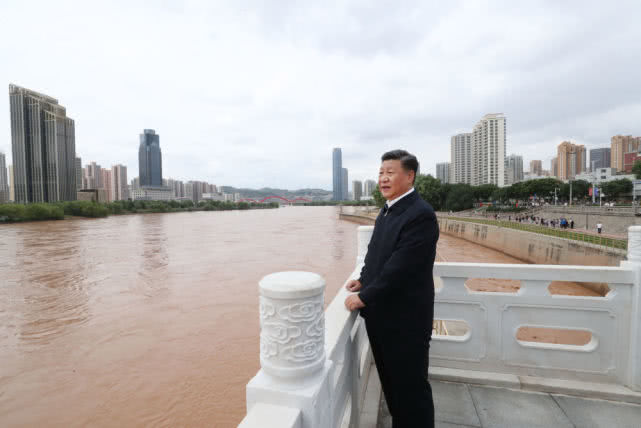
{"points": [[533, 247]]}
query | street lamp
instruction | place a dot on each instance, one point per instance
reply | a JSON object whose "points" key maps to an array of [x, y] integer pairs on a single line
{"points": [[570, 192]]}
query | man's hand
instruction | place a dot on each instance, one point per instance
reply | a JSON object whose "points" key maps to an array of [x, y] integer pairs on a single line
{"points": [[353, 285], [354, 302]]}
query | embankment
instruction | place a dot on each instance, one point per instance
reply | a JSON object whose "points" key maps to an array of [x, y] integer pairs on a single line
{"points": [[533, 247]]}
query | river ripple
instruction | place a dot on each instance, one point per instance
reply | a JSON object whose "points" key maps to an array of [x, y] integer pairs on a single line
{"points": [[148, 320]]}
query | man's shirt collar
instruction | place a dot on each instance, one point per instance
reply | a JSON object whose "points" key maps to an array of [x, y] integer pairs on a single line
{"points": [[393, 201]]}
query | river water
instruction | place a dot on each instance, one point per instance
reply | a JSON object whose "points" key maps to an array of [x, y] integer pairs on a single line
{"points": [[152, 320]]}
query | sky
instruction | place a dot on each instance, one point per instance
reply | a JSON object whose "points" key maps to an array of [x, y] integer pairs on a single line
{"points": [[257, 93]]}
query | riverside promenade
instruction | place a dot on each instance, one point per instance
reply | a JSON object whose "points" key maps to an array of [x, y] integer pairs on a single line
{"points": [[484, 376]]}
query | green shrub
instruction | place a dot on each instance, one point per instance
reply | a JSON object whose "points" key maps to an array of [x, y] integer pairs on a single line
{"points": [[43, 212], [13, 212]]}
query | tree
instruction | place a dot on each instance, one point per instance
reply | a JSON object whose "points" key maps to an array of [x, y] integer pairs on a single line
{"points": [[616, 188], [429, 189], [460, 197], [484, 192], [580, 189], [378, 197], [542, 187], [636, 169]]}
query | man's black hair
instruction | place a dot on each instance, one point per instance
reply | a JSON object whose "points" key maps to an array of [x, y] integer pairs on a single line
{"points": [[408, 160]]}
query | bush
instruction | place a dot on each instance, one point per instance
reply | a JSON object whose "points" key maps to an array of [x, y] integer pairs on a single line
{"points": [[13, 212], [32, 212]]}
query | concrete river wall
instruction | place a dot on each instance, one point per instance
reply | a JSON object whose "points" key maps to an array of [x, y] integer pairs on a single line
{"points": [[533, 247]]}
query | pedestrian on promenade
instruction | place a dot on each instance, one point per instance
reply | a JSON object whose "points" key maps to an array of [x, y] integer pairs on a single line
{"points": [[599, 228], [571, 223], [395, 292]]}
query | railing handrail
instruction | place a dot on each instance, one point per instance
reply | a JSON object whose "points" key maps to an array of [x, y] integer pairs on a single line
{"points": [[615, 274]]}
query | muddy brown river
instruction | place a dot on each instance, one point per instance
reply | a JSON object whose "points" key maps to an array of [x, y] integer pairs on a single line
{"points": [[152, 320]]}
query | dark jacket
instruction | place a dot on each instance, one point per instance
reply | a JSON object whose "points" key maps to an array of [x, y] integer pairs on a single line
{"points": [[397, 276]]}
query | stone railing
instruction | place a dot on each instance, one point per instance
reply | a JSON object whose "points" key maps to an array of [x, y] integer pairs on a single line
{"points": [[315, 365]]}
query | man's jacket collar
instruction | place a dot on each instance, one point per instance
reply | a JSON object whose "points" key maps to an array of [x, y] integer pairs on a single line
{"points": [[402, 204]]}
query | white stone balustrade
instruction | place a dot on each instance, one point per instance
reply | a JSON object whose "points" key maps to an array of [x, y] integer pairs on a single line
{"points": [[314, 365], [326, 387], [292, 324]]}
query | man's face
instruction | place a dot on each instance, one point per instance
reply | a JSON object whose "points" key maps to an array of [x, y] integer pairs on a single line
{"points": [[393, 180]]}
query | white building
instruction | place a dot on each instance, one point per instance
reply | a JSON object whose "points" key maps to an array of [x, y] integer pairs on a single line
{"points": [[461, 159], [12, 187], [489, 141], [119, 188], [443, 172], [152, 194], [513, 169], [368, 187], [213, 197], [4, 182], [231, 197], [602, 175], [357, 188]]}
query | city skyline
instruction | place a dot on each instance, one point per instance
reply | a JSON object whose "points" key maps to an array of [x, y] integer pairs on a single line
{"points": [[291, 90]]}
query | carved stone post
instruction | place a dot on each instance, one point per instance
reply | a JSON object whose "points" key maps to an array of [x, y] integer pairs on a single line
{"points": [[292, 324], [364, 236], [634, 260]]}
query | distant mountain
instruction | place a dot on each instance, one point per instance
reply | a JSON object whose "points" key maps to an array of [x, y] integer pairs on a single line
{"points": [[289, 194]]}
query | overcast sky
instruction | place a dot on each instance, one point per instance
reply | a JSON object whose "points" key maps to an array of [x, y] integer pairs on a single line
{"points": [[257, 93]]}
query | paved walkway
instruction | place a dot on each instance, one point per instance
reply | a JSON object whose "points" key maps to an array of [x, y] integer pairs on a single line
{"points": [[464, 405]]}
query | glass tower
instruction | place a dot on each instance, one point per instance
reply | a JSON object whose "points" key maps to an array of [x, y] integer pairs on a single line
{"points": [[43, 142], [150, 159], [337, 174]]}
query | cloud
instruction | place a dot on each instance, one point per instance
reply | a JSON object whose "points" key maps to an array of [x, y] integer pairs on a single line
{"points": [[255, 93]]}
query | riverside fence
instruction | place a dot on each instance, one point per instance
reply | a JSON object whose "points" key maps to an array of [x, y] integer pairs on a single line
{"points": [[315, 364]]}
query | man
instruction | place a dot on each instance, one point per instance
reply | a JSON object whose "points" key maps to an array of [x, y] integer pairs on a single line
{"points": [[396, 292]]}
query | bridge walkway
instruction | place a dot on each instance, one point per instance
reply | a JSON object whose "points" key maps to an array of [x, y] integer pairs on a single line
{"points": [[467, 405]]}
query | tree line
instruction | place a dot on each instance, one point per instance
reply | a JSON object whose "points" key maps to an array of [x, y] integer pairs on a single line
{"points": [[60, 210], [459, 197]]}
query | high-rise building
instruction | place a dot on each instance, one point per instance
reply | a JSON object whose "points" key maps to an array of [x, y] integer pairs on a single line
{"points": [[357, 188], [600, 158], [344, 184], [178, 188], [4, 182], [461, 159], [443, 172], [106, 184], [571, 160], [489, 144], [78, 173], [12, 188], [119, 183], [536, 167], [150, 159], [620, 145], [337, 174], [92, 176], [369, 187], [135, 183], [554, 167], [193, 191], [44, 148], [514, 169]]}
